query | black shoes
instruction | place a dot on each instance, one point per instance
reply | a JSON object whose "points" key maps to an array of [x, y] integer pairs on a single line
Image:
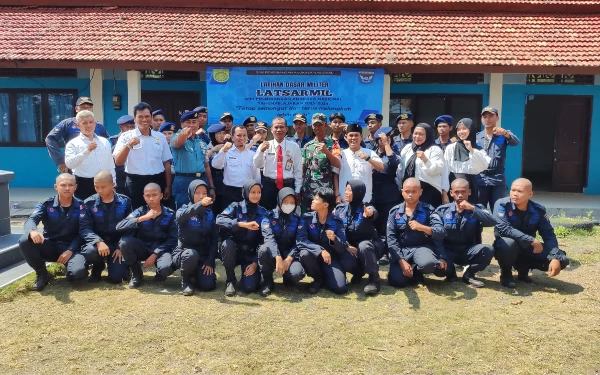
{"points": [[230, 290], [41, 281], [469, 278], [507, 281], [384, 261], [96, 274], [373, 286], [314, 287], [137, 275], [186, 287], [267, 287], [523, 275]]}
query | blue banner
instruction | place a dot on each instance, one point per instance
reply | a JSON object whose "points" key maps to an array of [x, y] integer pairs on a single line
{"points": [[270, 92]]}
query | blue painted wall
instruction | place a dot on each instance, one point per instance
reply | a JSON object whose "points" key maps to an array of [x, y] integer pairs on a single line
{"points": [[110, 115], [32, 165], [513, 115]]}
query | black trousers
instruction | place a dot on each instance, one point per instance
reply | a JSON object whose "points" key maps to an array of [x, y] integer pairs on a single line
{"points": [[268, 199], [231, 194], [136, 184], [431, 195], [383, 211], [85, 187]]}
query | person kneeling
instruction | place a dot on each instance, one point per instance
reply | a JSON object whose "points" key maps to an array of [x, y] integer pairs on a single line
{"points": [[464, 223], [98, 227], [279, 253], [364, 243], [60, 240], [239, 223], [411, 230], [198, 239], [152, 239], [519, 220], [322, 244]]}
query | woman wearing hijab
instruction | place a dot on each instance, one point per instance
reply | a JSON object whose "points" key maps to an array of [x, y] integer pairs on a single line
{"points": [[279, 253], [217, 136], [240, 229], [424, 161], [464, 158], [198, 237], [364, 244]]}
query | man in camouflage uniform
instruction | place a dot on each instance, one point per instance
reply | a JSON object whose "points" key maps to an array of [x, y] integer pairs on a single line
{"points": [[321, 159]]}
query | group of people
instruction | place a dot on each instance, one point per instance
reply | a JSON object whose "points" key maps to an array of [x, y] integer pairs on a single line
{"points": [[182, 196]]}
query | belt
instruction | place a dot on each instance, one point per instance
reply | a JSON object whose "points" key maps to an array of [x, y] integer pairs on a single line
{"points": [[285, 181], [199, 174], [490, 171]]}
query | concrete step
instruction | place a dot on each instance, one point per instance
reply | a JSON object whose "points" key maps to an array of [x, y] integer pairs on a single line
{"points": [[29, 197], [9, 250], [13, 273]]}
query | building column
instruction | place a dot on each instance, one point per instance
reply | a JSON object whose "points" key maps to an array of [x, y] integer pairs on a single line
{"points": [[496, 83], [134, 89], [385, 102], [96, 93]]}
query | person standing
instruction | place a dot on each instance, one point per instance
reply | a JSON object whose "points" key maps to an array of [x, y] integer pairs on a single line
{"points": [[125, 123], [374, 122], [237, 163], [227, 120], [189, 156], [405, 126], [338, 126], [60, 240], [146, 156], [217, 135], [158, 118], [249, 123], [300, 138], [281, 163], [202, 121], [87, 154], [66, 130], [320, 159], [443, 125], [491, 183]]}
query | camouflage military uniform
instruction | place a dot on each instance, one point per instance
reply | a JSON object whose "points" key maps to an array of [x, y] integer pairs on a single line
{"points": [[318, 169]]}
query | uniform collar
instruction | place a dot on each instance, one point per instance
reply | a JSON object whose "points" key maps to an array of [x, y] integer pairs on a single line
{"points": [[402, 207], [86, 138], [315, 219], [139, 134]]}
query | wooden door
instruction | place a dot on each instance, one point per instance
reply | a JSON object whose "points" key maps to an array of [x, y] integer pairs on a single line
{"points": [[571, 144]]}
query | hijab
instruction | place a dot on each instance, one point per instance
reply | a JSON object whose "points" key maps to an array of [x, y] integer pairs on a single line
{"points": [[409, 170], [461, 153], [283, 193], [358, 193], [192, 188], [248, 185], [213, 138]]}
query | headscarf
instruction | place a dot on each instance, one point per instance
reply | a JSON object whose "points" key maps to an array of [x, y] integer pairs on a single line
{"points": [[409, 169], [283, 193], [252, 207], [358, 193], [192, 188], [213, 138], [461, 153]]}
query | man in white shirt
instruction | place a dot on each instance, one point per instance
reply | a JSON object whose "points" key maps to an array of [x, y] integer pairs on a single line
{"points": [[87, 154], [236, 160], [281, 162], [146, 156], [357, 164]]}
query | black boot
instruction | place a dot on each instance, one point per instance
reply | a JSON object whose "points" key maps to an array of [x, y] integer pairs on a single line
{"points": [[523, 275], [469, 278], [373, 286], [41, 281], [137, 275], [506, 278], [314, 287], [187, 286], [418, 278], [96, 275], [230, 289], [267, 286]]}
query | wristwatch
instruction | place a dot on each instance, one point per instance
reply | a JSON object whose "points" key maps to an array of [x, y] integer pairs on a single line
{"points": [[368, 158]]}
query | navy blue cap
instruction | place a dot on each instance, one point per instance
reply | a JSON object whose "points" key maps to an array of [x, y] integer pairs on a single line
{"points": [[169, 126], [489, 109], [337, 115], [84, 100], [215, 128], [261, 125], [300, 117], [125, 119], [353, 127], [201, 109], [374, 116], [387, 130], [249, 119], [225, 115], [408, 116], [189, 115], [443, 118], [158, 112]]}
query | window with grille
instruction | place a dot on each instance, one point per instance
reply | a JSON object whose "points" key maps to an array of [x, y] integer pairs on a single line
{"points": [[559, 79], [437, 78], [171, 75]]}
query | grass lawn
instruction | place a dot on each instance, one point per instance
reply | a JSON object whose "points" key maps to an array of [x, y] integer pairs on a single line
{"points": [[551, 326]]}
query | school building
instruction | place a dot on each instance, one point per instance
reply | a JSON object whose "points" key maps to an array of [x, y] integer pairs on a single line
{"points": [[537, 62]]}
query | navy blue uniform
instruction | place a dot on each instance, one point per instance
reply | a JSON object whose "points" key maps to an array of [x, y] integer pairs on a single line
{"points": [[240, 245], [402, 142], [361, 233], [119, 170], [413, 246], [65, 131], [61, 233], [98, 223], [279, 233], [516, 230], [198, 240], [386, 193], [462, 243], [299, 142], [158, 236], [312, 240], [491, 183]]}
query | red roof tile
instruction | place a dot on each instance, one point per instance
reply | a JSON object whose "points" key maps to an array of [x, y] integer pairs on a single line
{"points": [[285, 37]]}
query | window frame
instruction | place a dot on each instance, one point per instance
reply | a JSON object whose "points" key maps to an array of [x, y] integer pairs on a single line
{"points": [[12, 113]]}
